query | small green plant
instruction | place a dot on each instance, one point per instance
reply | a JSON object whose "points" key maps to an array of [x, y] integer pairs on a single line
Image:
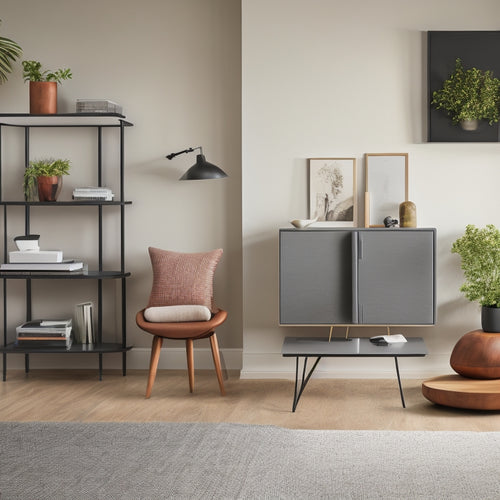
{"points": [[9, 52], [32, 72], [480, 253], [40, 168], [470, 94]]}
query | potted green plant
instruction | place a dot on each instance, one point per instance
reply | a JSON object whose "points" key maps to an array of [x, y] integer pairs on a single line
{"points": [[480, 253], [469, 96], [45, 177], [9, 52], [43, 86]]}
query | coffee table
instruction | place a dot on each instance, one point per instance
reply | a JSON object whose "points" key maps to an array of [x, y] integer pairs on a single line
{"points": [[322, 347]]}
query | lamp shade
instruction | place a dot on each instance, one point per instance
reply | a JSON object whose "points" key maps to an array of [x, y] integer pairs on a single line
{"points": [[202, 170]]}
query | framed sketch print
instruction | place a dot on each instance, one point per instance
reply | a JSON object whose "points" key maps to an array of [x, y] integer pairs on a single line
{"points": [[332, 191], [386, 177]]}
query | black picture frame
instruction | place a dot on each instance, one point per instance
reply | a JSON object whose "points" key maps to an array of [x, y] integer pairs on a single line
{"points": [[478, 49]]}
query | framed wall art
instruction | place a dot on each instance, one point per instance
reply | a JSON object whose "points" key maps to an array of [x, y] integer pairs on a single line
{"points": [[332, 191], [386, 177], [475, 49]]}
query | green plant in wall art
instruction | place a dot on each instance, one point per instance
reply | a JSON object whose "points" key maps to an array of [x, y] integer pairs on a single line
{"points": [[471, 94], [479, 249], [9, 52]]}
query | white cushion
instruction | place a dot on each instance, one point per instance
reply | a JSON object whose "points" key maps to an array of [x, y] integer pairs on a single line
{"points": [[177, 314]]}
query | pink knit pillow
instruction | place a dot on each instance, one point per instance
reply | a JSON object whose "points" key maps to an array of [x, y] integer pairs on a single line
{"points": [[183, 278]]}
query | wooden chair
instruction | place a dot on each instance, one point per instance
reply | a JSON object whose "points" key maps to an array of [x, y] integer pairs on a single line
{"points": [[188, 331], [181, 282]]}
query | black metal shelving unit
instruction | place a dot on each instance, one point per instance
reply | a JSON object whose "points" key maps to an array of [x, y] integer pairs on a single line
{"points": [[98, 122]]}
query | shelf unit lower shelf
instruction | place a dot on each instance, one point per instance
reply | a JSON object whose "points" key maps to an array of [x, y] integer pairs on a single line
{"points": [[105, 347], [99, 349]]}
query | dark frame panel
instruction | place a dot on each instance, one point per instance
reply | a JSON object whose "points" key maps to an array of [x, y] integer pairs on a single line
{"points": [[478, 49]]}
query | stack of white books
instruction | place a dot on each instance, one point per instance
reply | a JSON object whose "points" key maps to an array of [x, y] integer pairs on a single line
{"points": [[97, 106], [93, 193], [65, 265], [44, 333], [36, 256]]}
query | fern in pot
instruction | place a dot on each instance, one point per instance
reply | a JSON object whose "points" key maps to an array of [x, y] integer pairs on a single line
{"points": [[45, 178], [479, 249]]}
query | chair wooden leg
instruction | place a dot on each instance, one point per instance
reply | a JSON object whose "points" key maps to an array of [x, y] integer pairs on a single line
{"points": [[190, 363], [153, 364], [215, 354]]}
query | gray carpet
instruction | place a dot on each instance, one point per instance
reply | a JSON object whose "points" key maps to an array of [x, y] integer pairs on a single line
{"points": [[134, 461]]}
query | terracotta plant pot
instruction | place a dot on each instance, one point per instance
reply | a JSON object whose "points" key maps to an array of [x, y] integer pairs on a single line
{"points": [[49, 187], [43, 98]]}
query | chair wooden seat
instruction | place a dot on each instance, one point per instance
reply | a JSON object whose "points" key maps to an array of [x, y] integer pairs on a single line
{"points": [[188, 331]]}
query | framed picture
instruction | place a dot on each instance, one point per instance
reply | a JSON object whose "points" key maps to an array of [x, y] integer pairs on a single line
{"points": [[476, 49], [332, 191], [386, 177]]}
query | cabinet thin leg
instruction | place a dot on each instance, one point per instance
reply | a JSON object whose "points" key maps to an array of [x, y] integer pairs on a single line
{"points": [[27, 363], [4, 356]]}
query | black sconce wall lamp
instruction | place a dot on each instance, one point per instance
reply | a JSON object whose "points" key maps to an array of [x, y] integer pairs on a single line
{"points": [[202, 169]]}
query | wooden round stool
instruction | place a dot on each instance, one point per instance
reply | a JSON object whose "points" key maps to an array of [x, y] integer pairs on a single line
{"points": [[476, 358]]}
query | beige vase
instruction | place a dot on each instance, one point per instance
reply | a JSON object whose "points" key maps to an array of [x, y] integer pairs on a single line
{"points": [[43, 98]]}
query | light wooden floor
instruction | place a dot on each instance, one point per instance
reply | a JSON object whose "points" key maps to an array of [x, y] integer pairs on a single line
{"points": [[63, 395]]}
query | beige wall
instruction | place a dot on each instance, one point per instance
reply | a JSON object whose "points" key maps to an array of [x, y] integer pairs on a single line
{"points": [[175, 68], [340, 78], [316, 78]]}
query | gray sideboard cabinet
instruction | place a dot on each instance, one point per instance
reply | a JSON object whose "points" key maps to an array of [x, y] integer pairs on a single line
{"points": [[363, 276]]}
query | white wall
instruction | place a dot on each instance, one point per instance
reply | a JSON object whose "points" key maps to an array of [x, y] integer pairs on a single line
{"points": [[340, 78], [175, 68]]}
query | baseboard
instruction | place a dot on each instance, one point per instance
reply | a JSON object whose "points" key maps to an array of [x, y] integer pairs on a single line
{"points": [[173, 358], [252, 365]]}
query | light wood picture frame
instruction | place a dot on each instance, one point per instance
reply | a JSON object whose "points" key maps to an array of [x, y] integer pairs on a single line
{"points": [[386, 186], [332, 191]]}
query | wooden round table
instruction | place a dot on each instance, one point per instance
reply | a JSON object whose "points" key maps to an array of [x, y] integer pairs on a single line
{"points": [[462, 392], [476, 359]]}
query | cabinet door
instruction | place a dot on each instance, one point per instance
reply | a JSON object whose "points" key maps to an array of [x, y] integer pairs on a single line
{"points": [[396, 277], [315, 277]]}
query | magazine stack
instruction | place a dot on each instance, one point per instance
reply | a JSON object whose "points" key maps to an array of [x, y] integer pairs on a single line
{"points": [[44, 333], [93, 194]]}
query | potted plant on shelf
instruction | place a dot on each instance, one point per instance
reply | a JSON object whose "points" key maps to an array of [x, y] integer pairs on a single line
{"points": [[45, 178], [43, 86], [469, 96], [480, 253], [9, 52]]}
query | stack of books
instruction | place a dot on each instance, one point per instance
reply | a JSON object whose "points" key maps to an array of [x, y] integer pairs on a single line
{"points": [[65, 265], [84, 324], [93, 193], [44, 333], [97, 106], [29, 257]]}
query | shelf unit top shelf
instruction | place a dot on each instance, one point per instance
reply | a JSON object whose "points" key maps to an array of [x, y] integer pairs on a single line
{"points": [[64, 120]]}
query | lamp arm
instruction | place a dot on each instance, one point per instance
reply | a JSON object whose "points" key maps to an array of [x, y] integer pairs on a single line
{"points": [[189, 150]]}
